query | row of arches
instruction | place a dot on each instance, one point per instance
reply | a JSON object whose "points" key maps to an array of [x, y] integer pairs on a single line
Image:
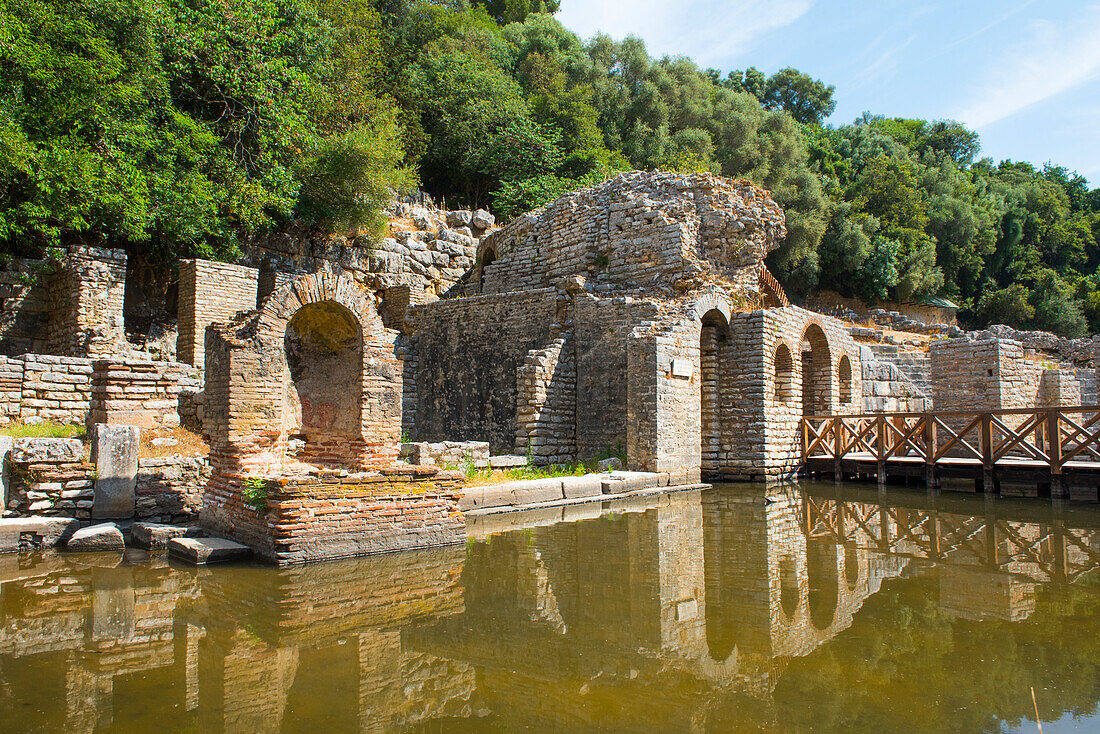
{"points": [[816, 362]]}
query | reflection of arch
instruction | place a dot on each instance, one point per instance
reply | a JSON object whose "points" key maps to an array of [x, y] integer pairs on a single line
{"points": [[323, 342], [821, 574], [851, 565], [844, 378], [816, 372], [713, 333], [788, 585], [784, 373]]}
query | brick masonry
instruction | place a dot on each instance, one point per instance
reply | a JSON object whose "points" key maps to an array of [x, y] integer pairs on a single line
{"points": [[210, 292]]}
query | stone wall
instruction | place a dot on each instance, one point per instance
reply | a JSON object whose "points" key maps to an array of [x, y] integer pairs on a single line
{"points": [[24, 306], [51, 477], [308, 519], [469, 351], [886, 389], [546, 404], [170, 489], [52, 388], [452, 454], [138, 393], [651, 229], [87, 293], [210, 292], [980, 375]]}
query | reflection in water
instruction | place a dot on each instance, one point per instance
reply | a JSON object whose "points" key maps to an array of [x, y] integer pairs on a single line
{"points": [[713, 611]]}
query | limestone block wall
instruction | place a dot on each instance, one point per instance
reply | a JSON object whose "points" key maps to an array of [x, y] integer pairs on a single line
{"points": [[87, 293], [210, 292], [137, 392], [886, 389], [452, 454], [546, 403], [55, 388], [169, 489], [638, 228], [51, 477], [11, 388], [24, 306], [985, 374], [1059, 387], [468, 355]]}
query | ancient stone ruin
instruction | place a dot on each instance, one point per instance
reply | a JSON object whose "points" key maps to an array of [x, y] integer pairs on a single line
{"points": [[632, 319]]}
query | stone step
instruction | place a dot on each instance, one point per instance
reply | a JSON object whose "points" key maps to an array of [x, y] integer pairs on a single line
{"points": [[155, 536], [200, 551]]}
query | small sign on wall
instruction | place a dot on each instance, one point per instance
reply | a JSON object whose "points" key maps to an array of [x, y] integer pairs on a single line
{"points": [[682, 368]]}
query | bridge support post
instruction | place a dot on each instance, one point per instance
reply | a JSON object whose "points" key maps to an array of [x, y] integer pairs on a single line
{"points": [[988, 486], [930, 454], [1058, 488]]}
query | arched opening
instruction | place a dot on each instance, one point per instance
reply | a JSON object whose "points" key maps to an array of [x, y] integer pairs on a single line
{"points": [[821, 573], [816, 372], [784, 374], [324, 351], [488, 256], [712, 338], [844, 377], [788, 586]]}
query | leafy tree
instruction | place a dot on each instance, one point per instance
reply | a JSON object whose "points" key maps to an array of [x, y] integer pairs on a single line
{"points": [[806, 99]]}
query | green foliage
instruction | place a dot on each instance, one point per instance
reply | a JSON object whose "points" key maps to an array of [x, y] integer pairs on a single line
{"points": [[176, 127], [45, 429], [254, 493]]}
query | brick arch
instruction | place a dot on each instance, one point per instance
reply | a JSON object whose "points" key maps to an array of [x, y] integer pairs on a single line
{"points": [[279, 307], [710, 302], [818, 375]]}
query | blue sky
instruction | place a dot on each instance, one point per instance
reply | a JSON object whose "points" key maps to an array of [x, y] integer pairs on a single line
{"points": [[1024, 73]]}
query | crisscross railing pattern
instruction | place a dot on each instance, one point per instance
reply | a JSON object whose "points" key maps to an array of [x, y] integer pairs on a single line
{"points": [[1050, 436]]}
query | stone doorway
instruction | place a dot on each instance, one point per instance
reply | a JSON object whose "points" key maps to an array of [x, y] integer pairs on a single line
{"points": [[713, 339], [324, 351], [816, 372]]}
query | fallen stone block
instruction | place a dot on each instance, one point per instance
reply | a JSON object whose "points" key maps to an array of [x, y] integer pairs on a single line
{"points": [[629, 481], [505, 461], [103, 537], [199, 551], [32, 450], [155, 536], [590, 485], [610, 464], [30, 533]]}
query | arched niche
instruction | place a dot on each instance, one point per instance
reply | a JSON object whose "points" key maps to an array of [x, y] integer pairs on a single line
{"points": [[822, 580], [713, 335], [817, 392], [783, 377], [323, 343], [844, 380]]}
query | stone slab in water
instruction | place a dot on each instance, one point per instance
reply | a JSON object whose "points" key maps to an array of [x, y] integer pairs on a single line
{"points": [[155, 536], [207, 550], [103, 537], [115, 453], [629, 481], [28, 533]]}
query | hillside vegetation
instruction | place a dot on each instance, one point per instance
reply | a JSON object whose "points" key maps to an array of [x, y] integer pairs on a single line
{"points": [[175, 127]]}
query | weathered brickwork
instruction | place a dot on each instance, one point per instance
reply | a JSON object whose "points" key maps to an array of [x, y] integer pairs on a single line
{"points": [[87, 292], [657, 229], [990, 374], [138, 393], [210, 292], [55, 388], [546, 407], [310, 518], [24, 306]]}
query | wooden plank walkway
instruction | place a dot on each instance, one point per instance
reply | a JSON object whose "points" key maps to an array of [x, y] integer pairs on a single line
{"points": [[1054, 448]]}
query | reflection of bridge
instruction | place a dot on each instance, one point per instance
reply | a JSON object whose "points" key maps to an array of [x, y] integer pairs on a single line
{"points": [[1053, 448], [643, 615]]}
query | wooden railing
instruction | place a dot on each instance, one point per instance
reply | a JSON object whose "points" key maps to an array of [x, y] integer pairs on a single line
{"points": [[1049, 436]]}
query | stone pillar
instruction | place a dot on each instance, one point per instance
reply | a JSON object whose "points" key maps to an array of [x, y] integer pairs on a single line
{"points": [[210, 292], [6, 443], [86, 303], [115, 455]]}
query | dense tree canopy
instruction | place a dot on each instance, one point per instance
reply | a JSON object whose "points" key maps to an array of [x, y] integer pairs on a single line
{"points": [[175, 127]]}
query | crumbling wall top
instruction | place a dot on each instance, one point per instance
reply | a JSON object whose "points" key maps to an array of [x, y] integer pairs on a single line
{"points": [[638, 230]]}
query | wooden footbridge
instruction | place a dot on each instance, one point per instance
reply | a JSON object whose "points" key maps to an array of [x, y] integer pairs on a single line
{"points": [[1055, 449]]}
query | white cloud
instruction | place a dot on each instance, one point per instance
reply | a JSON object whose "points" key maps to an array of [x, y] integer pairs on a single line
{"points": [[709, 31], [1056, 58]]}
